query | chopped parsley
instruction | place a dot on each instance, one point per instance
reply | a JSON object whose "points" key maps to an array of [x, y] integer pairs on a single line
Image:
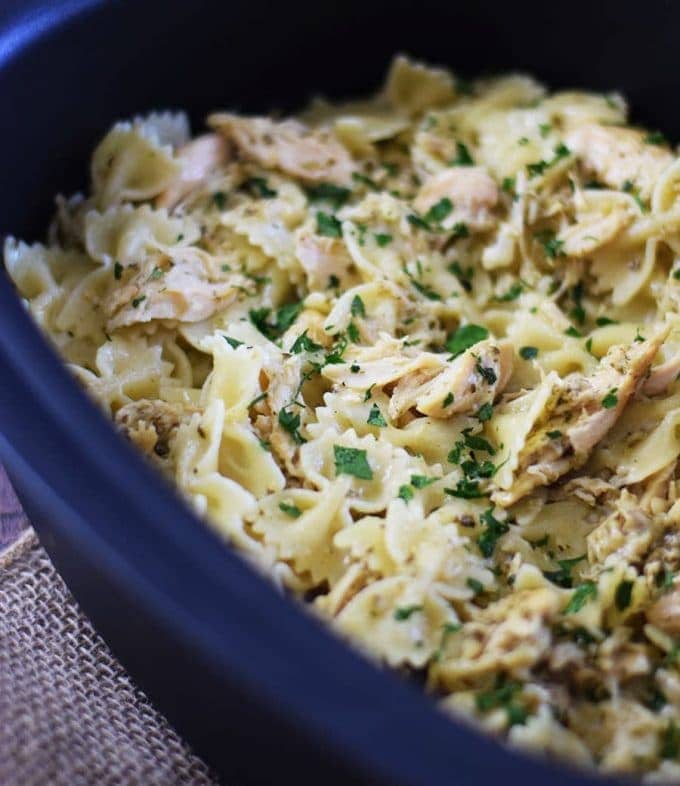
{"points": [[460, 229], [375, 417], [329, 192], [328, 225], [117, 271], [571, 331], [485, 372], [353, 333], [611, 399], [624, 593], [512, 294], [351, 461], [220, 199], [403, 613], [333, 281], [365, 180], [544, 129], [283, 319], [464, 337], [290, 510], [508, 185], [582, 594], [630, 188], [421, 481], [503, 695], [552, 246], [466, 489], [155, 274], [563, 577], [494, 529], [369, 392], [290, 422], [424, 289], [448, 400], [233, 342], [670, 741], [528, 353], [138, 301], [405, 493], [463, 157], [303, 343], [439, 211], [476, 586], [258, 187], [485, 412], [383, 239], [655, 138], [554, 434], [464, 276], [417, 221], [604, 321], [357, 308], [539, 167]]}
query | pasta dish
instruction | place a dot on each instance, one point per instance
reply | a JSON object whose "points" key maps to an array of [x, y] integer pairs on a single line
{"points": [[416, 357]]}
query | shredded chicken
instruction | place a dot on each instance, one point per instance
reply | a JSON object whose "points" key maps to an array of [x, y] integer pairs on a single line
{"points": [[617, 156], [150, 425], [665, 612], [661, 377], [584, 410], [462, 387], [472, 191], [310, 154], [199, 158], [181, 289]]}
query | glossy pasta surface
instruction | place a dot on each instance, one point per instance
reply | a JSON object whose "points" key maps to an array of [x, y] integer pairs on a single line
{"points": [[416, 358]]}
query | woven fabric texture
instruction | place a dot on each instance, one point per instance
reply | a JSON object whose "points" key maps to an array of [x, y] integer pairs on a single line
{"points": [[69, 714]]}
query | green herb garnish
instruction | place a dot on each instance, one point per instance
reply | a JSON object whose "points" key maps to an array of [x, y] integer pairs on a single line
{"points": [[351, 461], [465, 337], [375, 417], [611, 399], [290, 510]]}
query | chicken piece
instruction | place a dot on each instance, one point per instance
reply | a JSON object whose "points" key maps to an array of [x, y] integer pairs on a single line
{"points": [[665, 612], [150, 425], [323, 259], [199, 158], [511, 635], [661, 377], [181, 289], [627, 533], [472, 191], [581, 412], [617, 155], [478, 375], [313, 155]]}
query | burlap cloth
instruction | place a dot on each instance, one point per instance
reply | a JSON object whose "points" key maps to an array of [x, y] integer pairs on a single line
{"points": [[69, 714]]}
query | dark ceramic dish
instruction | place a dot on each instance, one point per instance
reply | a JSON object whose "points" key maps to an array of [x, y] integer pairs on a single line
{"points": [[258, 687]]}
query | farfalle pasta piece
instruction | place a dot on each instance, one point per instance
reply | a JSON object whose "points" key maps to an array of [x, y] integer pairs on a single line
{"points": [[126, 233], [131, 164]]}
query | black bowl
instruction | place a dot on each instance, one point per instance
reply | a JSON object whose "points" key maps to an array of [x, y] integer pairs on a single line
{"points": [[258, 687]]}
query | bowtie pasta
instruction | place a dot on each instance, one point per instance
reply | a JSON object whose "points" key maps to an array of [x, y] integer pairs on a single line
{"points": [[415, 357]]}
